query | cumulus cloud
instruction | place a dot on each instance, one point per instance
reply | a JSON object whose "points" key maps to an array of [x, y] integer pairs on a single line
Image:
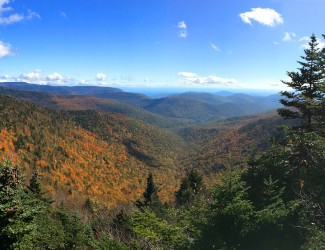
{"points": [[5, 50], [306, 40], [147, 79], [192, 79], [15, 17], [213, 46], [187, 74], [100, 77], [288, 37], [37, 78], [265, 16], [181, 25], [275, 43], [182, 29]]}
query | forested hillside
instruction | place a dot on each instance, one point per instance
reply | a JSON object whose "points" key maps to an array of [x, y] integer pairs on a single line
{"points": [[84, 153], [82, 102], [182, 109], [228, 143]]}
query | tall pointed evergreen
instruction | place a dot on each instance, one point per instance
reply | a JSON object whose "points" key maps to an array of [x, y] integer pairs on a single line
{"points": [[306, 140], [308, 90], [150, 195], [151, 198]]}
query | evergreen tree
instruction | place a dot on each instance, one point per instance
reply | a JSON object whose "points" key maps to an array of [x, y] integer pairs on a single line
{"points": [[306, 141], [151, 198], [28, 221], [191, 186], [308, 85]]}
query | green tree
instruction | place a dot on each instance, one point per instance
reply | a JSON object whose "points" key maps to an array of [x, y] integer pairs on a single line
{"points": [[154, 232], [308, 85], [28, 221], [191, 186], [151, 198], [306, 141], [228, 217]]}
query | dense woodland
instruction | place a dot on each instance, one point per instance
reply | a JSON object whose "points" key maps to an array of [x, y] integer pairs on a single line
{"points": [[89, 173]]}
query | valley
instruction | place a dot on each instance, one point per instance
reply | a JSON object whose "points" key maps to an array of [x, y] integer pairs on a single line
{"points": [[85, 146]]}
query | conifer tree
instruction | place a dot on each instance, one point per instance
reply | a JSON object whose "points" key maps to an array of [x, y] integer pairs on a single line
{"points": [[191, 186], [306, 103], [151, 198], [308, 85], [151, 192]]}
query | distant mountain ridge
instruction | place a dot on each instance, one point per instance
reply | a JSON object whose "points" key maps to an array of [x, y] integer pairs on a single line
{"points": [[193, 106], [63, 90], [235, 98], [83, 102]]}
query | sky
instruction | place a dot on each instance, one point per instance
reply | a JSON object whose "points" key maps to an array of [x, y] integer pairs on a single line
{"points": [[209, 44]]}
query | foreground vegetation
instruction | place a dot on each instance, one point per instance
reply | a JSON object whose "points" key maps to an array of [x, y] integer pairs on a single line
{"points": [[276, 202]]}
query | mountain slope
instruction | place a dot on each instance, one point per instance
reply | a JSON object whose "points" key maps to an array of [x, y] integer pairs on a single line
{"points": [[200, 111], [78, 102], [202, 108], [220, 145], [84, 154]]}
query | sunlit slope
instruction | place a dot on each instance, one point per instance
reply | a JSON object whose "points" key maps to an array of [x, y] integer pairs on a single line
{"points": [[84, 154]]}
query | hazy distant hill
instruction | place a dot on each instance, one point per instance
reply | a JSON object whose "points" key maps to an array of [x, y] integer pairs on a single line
{"points": [[193, 106], [133, 99], [201, 111], [65, 90], [80, 102], [272, 100]]}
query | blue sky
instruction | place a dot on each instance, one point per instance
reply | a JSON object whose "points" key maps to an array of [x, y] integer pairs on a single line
{"points": [[216, 44]]}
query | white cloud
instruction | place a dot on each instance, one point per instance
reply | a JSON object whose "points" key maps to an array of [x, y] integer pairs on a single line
{"points": [[182, 32], [266, 16], [14, 18], [32, 14], [193, 80], [288, 37], [229, 52], [147, 79], [37, 78], [187, 74], [5, 50], [100, 77], [213, 46], [181, 25], [306, 39], [275, 43]]}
